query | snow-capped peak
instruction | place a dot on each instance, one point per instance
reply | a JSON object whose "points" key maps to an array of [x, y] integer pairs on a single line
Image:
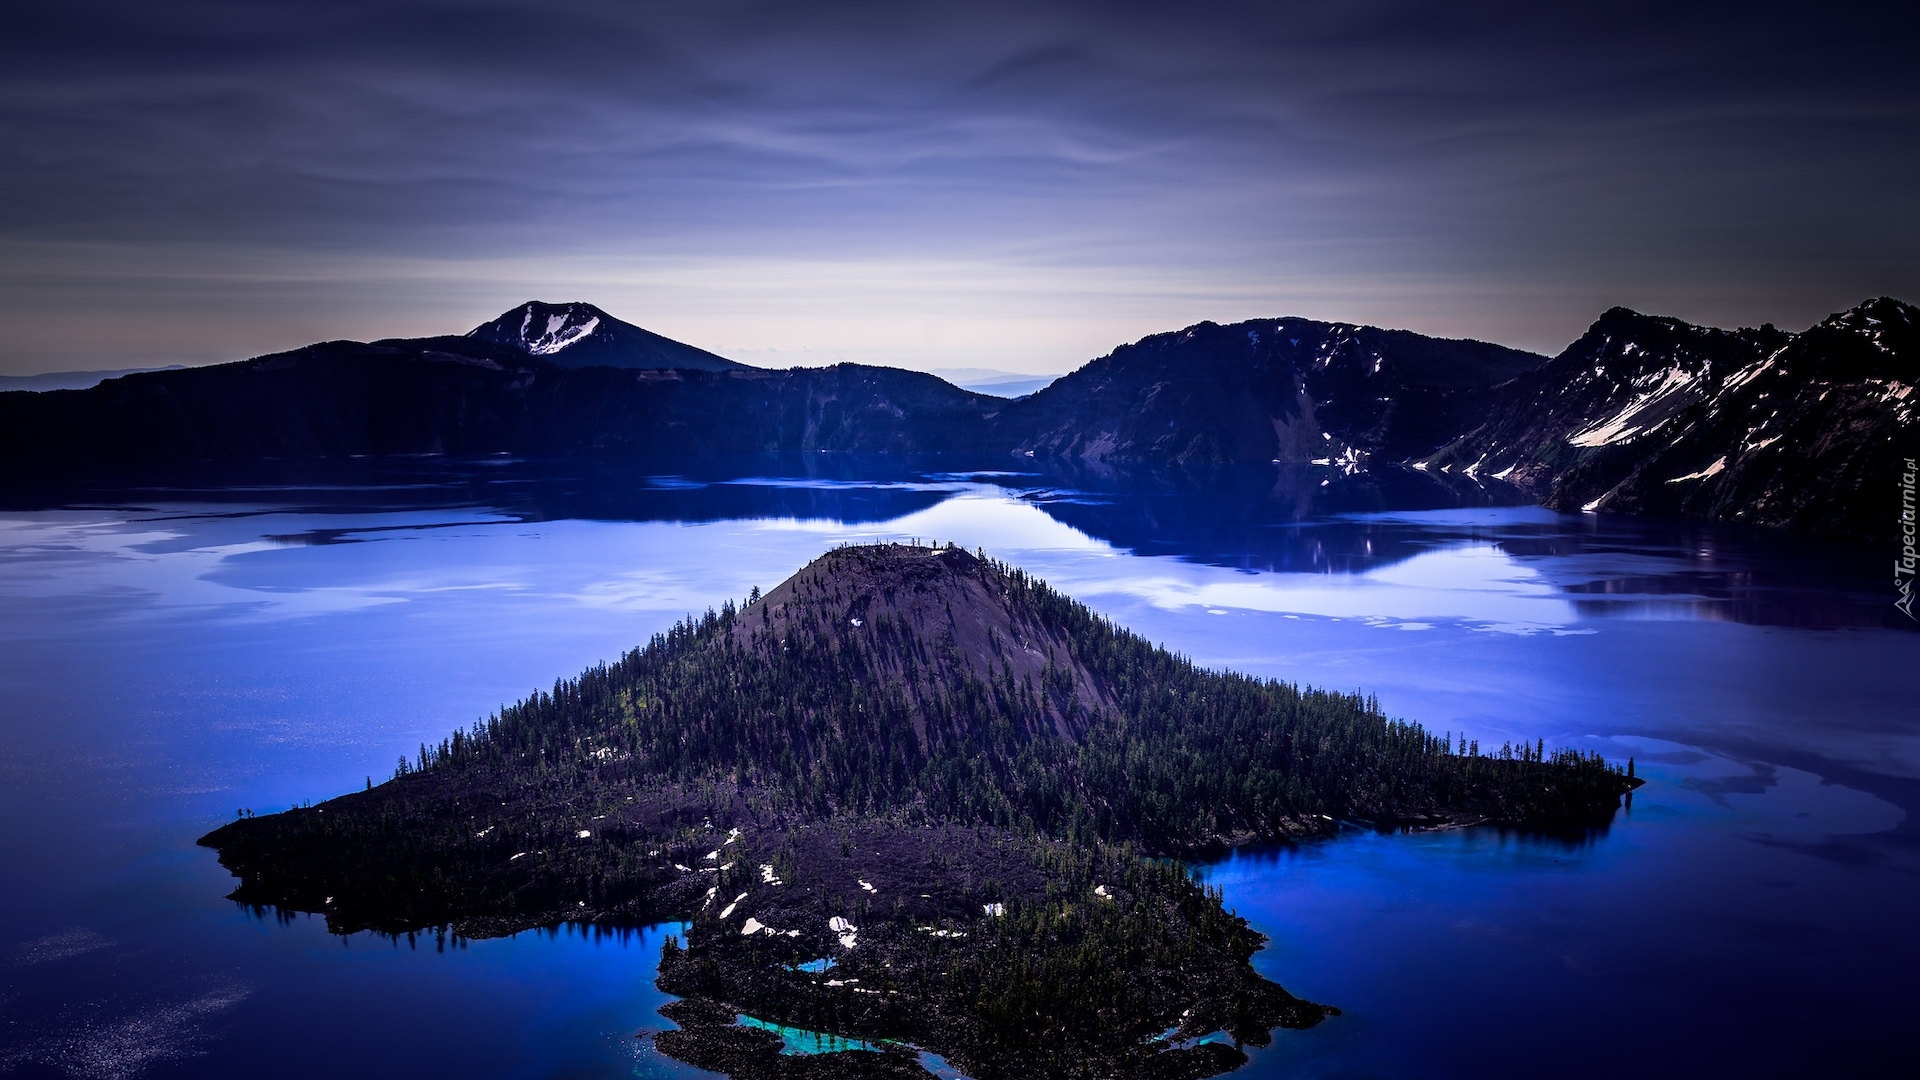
{"points": [[546, 329], [577, 334]]}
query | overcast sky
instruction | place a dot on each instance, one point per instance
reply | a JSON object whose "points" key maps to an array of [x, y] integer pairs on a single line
{"points": [[1018, 186]]}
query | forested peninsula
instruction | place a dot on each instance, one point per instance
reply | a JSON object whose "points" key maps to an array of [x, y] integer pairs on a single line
{"points": [[911, 796]]}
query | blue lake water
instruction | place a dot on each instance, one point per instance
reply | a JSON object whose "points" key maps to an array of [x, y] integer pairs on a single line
{"points": [[171, 655]]}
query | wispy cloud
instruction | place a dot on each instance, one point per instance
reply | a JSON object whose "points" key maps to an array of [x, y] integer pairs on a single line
{"points": [[200, 180]]}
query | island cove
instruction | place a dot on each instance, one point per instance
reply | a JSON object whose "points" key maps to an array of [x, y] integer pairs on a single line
{"points": [[964, 789]]}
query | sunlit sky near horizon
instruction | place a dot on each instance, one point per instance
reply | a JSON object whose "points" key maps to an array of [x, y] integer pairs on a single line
{"points": [[1010, 186]]}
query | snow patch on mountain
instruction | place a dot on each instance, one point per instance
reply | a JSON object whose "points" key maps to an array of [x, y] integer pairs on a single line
{"points": [[1621, 427], [1711, 470], [559, 329]]}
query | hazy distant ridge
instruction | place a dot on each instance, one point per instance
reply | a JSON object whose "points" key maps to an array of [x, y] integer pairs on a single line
{"points": [[71, 380]]}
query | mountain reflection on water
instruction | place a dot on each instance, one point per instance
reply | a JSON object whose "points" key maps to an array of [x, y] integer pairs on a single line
{"points": [[180, 647], [1281, 519]]}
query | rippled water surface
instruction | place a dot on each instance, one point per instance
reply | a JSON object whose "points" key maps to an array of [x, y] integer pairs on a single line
{"points": [[169, 656]]}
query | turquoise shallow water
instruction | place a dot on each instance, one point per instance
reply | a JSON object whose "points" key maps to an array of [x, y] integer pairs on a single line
{"points": [[170, 657], [795, 1040]]}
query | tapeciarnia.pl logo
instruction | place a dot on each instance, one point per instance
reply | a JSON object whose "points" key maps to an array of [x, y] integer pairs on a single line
{"points": [[1903, 567]]}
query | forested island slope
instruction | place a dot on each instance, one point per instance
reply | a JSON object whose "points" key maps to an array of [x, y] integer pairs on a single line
{"points": [[910, 794]]}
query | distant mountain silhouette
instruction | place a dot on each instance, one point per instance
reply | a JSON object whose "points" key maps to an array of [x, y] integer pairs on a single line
{"points": [[71, 380], [996, 383]]}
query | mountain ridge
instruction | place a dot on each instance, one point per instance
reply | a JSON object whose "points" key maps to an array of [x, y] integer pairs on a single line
{"points": [[465, 396], [1650, 415], [1281, 390], [1642, 414]]}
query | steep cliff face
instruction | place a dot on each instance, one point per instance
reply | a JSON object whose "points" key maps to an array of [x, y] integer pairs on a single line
{"points": [[1288, 390], [1648, 415]]}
